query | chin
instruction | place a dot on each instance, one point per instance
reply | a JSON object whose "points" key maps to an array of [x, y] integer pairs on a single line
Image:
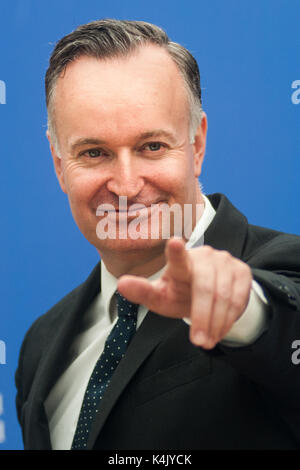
{"points": [[129, 246]]}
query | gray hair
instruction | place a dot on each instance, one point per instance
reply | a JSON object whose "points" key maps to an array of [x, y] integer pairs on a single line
{"points": [[110, 38]]}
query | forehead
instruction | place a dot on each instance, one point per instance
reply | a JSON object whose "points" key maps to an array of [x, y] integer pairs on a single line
{"points": [[126, 90]]}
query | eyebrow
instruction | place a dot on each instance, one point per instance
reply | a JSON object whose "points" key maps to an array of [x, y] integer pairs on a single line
{"points": [[145, 135], [85, 141], [157, 133]]}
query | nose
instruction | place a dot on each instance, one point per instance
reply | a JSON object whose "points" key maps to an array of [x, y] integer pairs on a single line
{"points": [[126, 178]]}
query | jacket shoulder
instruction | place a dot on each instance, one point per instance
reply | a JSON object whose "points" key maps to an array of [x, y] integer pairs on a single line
{"points": [[264, 243]]}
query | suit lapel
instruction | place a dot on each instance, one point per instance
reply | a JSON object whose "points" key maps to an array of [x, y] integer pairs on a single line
{"points": [[52, 362], [228, 230]]}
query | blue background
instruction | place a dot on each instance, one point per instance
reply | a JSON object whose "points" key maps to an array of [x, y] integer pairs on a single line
{"points": [[248, 54]]}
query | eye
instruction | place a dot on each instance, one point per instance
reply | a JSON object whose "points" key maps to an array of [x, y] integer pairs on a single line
{"points": [[154, 149], [93, 153], [154, 146]]}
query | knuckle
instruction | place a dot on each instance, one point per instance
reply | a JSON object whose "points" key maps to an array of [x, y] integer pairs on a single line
{"points": [[205, 287], [207, 249], [238, 303], [222, 294], [225, 256], [244, 270]]}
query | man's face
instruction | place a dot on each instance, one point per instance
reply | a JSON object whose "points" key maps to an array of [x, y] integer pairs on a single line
{"points": [[123, 130]]}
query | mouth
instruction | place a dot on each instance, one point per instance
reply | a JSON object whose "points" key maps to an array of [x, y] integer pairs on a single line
{"points": [[133, 211], [138, 210]]}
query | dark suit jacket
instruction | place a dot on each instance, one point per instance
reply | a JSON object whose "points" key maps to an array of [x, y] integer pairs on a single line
{"points": [[168, 393]]}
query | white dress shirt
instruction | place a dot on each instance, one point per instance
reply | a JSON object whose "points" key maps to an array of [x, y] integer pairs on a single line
{"points": [[64, 401]]}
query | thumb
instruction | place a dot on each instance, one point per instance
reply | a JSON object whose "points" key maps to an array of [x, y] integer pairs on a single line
{"points": [[138, 290]]}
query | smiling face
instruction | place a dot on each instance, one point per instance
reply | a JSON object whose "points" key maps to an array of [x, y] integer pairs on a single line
{"points": [[123, 130]]}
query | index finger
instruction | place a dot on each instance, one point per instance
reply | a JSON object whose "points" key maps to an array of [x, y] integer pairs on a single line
{"points": [[178, 261]]}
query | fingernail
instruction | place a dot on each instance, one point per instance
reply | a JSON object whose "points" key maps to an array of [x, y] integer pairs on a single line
{"points": [[199, 338]]}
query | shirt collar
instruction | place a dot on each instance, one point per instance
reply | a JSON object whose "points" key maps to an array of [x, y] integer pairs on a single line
{"points": [[197, 236], [109, 282], [108, 286]]}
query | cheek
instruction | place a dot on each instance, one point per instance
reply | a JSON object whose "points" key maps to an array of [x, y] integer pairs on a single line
{"points": [[176, 176], [81, 186]]}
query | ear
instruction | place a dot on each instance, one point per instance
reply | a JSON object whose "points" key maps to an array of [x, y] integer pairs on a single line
{"points": [[57, 164], [199, 145]]}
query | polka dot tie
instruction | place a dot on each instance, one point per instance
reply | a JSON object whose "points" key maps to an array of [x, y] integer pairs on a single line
{"points": [[114, 350]]}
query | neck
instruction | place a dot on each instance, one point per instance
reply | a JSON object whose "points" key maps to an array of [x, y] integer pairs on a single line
{"points": [[139, 263]]}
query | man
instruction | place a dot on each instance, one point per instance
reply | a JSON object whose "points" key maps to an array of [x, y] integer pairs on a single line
{"points": [[206, 363]]}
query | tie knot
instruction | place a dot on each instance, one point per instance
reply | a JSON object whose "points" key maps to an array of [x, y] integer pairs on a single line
{"points": [[125, 307]]}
